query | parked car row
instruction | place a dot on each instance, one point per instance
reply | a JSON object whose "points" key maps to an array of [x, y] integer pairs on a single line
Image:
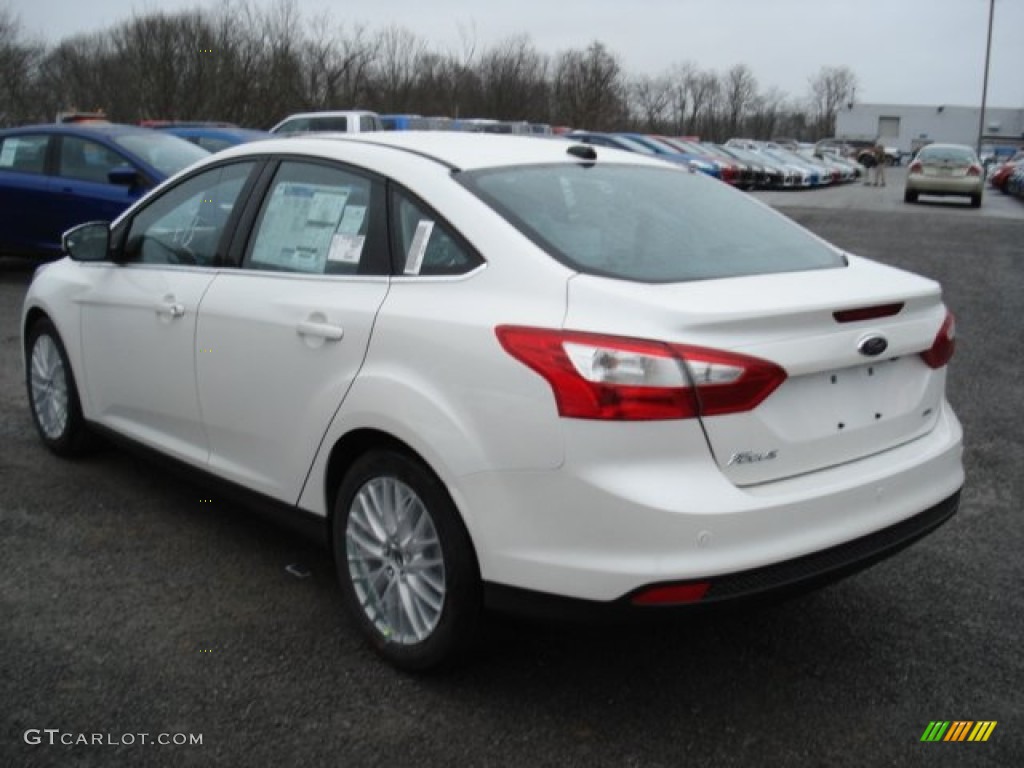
{"points": [[1015, 183], [742, 163], [1002, 177]]}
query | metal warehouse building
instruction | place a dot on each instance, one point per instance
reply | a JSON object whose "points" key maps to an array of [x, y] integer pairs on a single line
{"points": [[911, 127]]}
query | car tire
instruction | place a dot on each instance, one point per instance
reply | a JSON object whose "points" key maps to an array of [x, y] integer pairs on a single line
{"points": [[975, 201], [52, 393], [909, 196], [405, 561]]}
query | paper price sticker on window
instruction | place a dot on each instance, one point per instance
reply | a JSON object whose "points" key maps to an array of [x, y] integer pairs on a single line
{"points": [[347, 249], [418, 248], [352, 221]]}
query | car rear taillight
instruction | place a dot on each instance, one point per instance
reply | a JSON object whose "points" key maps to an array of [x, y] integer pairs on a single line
{"points": [[595, 376], [974, 170], [915, 167], [945, 343]]}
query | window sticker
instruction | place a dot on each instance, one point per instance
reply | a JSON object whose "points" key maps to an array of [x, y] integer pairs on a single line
{"points": [[8, 152], [326, 207], [297, 232], [346, 248], [418, 247], [352, 221]]}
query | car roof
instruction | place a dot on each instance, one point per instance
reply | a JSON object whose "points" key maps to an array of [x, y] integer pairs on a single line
{"points": [[78, 129], [454, 149], [215, 131]]}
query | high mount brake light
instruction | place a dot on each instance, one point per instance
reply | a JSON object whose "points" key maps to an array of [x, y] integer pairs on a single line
{"points": [[595, 376], [867, 313], [944, 345]]}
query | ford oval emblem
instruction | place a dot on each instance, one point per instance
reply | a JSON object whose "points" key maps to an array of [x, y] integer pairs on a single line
{"points": [[873, 346]]}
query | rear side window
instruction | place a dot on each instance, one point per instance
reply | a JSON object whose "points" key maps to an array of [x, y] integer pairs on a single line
{"points": [[647, 224], [25, 154], [328, 124], [425, 245]]}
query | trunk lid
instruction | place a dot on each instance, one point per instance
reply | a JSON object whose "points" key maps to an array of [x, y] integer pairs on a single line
{"points": [[838, 403]]}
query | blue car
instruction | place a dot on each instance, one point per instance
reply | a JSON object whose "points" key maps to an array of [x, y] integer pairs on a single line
{"points": [[674, 154], [55, 176], [213, 138]]}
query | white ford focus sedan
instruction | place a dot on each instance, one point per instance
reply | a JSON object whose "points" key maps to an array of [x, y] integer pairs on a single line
{"points": [[507, 372]]}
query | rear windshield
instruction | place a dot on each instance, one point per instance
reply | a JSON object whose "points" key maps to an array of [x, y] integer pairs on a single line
{"points": [[168, 154], [946, 155], [647, 224]]}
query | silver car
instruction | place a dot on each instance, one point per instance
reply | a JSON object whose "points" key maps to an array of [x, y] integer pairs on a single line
{"points": [[945, 169]]}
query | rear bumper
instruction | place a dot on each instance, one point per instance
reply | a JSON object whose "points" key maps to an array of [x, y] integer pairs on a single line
{"points": [[945, 185], [639, 508], [790, 577]]}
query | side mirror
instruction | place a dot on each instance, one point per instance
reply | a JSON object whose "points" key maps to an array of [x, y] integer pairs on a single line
{"points": [[123, 175], [88, 242]]}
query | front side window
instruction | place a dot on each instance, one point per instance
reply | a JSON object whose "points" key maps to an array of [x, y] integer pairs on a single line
{"points": [[424, 244], [87, 160], [316, 219], [23, 154], [647, 224], [186, 224]]}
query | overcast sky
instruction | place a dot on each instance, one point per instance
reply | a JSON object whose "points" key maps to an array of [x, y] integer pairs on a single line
{"points": [[903, 51]]}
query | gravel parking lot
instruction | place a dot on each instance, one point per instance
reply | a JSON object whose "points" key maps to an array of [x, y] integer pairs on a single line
{"points": [[134, 603]]}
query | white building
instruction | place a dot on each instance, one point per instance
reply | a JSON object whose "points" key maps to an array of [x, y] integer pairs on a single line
{"points": [[911, 127]]}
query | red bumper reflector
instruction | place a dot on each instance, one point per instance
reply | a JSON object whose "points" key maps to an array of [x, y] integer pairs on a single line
{"points": [[672, 594]]}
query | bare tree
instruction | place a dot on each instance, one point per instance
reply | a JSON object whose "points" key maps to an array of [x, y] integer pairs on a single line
{"points": [[514, 80], [739, 92], [589, 88], [764, 115], [830, 88], [395, 70], [19, 61], [651, 103], [253, 64]]}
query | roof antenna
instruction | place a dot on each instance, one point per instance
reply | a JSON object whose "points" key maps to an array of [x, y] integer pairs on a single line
{"points": [[582, 151]]}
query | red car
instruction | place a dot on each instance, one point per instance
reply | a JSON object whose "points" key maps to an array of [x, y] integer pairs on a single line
{"points": [[1001, 175]]}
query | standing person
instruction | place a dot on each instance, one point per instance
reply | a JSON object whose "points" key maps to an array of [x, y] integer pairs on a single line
{"points": [[880, 161]]}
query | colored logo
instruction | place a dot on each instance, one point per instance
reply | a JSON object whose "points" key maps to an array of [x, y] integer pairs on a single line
{"points": [[958, 730]]}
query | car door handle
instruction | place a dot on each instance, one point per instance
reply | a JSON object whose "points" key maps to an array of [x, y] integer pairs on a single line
{"points": [[320, 330], [170, 309]]}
